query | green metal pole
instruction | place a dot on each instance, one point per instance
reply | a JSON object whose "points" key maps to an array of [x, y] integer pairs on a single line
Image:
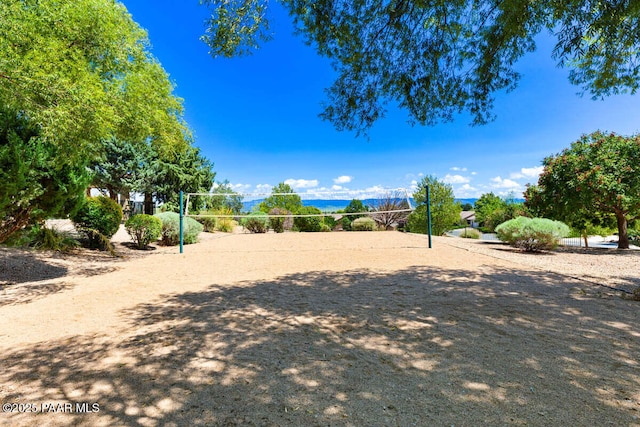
{"points": [[429, 215], [181, 222]]}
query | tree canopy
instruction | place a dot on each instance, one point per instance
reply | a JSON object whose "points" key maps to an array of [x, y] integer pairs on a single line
{"points": [[82, 72], [77, 84], [492, 210], [597, 176], [442, 57], [280, 198]]}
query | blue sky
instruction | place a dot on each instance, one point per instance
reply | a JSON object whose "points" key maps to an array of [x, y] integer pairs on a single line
{"points": [[257, 118]]}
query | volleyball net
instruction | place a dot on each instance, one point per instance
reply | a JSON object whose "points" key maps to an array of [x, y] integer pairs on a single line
{"points": [[303, 211]]}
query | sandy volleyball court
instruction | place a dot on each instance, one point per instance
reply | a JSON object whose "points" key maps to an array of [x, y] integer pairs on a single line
{"points": [[320, 329]]}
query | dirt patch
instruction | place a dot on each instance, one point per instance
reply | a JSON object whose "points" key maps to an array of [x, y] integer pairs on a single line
{"points": [[338, 329]]}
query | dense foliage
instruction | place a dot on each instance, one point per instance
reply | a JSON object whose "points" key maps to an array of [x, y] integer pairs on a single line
{"points": [[35, 183], [436, 59], [308, 223], [143, 229], [354, 207], [98, 217], [78, 89], [492, 210], [532, 234], [597, 177]]}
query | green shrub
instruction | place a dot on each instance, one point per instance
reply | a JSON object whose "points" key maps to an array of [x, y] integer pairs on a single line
{"points": [[346, 222], [51, 239], [532, 234], [330, 222], [171, 229], [99, 218], [308, 223], [256, 222], [143, 229], [209, 223], [279, 224], [363, 224], [470, 233]]}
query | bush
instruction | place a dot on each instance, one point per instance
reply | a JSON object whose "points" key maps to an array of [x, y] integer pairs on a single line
{"points": [[143, 229], [363, 224], [171, 229], [279, 224], [226, 225], [209, 223], [98, 217], [470, 233], [330, 222], [309, 223], [41, 237], [256, 222], [532, 234], [346, 222]]}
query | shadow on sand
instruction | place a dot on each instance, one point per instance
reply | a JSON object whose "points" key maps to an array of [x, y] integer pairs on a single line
{"points": [[422, 347]]}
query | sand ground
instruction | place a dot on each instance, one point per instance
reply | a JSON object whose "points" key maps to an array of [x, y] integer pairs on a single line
{"points": [[319, 329]]}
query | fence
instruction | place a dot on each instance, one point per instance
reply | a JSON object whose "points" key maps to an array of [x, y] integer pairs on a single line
{"points": [[491, 237]]}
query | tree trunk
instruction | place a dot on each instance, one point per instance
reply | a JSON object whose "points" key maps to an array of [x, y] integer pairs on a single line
{"points": [[113, 194], [586, 238], [623, 236], [148, 203]]}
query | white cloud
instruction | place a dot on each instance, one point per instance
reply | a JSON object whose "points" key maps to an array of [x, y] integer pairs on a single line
{"points": [[457, 169], [504, 183], [344, 179], [337, 187], [466, 191], [263, 188], [455, 179], [302, 183], [527, 173]]}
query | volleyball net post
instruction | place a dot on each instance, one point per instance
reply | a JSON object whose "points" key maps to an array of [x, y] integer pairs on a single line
{"points": [[428, 200], [181, 221]]}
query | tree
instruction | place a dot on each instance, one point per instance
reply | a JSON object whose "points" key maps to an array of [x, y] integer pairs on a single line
{"points": [[355, 206], [390, 210], [600, 174], [587, 221], [162, 178], [77, 75], [34, 183], [492, 210], [282, 196], [82, 72], [117, 168], [445, 212], [436, 59], [232, 200]]}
